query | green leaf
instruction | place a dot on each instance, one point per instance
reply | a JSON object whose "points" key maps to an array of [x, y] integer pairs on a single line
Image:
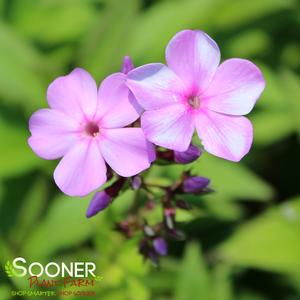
{"points": [[52, 21], [248, 43], [290, 55], [136, 289], [103, 48], [193, 281], [274, 119], [271, 127], [31, 209], [2, 3], [9, 270], [232, 180], [223, 289], [238, 12], [20, 81], [5, 292], [274, 92], [19, 158], [291, 83], [64, 225], [270, 241], [161, 21]]}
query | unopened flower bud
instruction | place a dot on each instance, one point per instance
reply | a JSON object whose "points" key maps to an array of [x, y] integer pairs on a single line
{"points": [[127, 65], [148, 230], [169, 221], [160, 246], [150, 204], [183, 204], [176, 234], [188, 156], [169, 213], [99, 202], [195, 184], [103, 198], [153, 258], [136, 182]]}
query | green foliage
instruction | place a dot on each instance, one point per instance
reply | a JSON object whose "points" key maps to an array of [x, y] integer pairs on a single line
{"points": [[270, 242], [64, 225], [248, 229], [9, 269], [18, 158], [235, 180], [198, 285]]}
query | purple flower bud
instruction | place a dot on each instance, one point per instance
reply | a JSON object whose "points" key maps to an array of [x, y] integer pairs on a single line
{"points": [[154, 259], [127, 65], [183, 204], [169, 221], [136, 182], [160, 246], [176, 235], [99, 202], [148, 230], [195, 185], [188, 156]]}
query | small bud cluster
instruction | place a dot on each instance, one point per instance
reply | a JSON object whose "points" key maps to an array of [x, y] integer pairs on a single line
{"points": [[153, 243]]}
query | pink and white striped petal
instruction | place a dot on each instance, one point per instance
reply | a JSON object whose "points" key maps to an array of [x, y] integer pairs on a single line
{"points": [[229, 137], [171, 127], [117, 107], [194, 57], [126, 150], [74, 94], [52, 133], [235, 88], [81, 170], [155, 86]]}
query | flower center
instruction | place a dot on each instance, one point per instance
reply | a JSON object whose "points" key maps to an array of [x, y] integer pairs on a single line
{"points": [[91, 129], [194, 101]]}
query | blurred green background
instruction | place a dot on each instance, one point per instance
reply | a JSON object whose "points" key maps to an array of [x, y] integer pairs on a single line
{"points": [[244, 240]]}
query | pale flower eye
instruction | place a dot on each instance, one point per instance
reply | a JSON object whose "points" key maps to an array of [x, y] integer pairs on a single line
{"points": [[91, 129], [194, 101]]}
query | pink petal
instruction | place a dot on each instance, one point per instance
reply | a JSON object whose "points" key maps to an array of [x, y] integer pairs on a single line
{"points": [[194, 57], [127, 65], [235, 88], [229, 137], [117, 106], [155, 86], [81, 170], [75, 94], [126, 150], [52, 133], [171, 127]]}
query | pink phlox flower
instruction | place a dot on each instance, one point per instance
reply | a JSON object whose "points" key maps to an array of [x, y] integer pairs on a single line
{"points": [[194, 92], [85, 126]]}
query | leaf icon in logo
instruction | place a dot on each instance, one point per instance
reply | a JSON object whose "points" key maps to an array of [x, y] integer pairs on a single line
{"points": [[98, 278], [9, 269]]}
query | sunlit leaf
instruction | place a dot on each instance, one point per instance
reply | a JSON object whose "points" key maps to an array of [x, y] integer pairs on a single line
{"points": [[157, 25], [271, 241], [64, 225], [239, 12], [103, 48], [19, 158], [193, 280], [31, 210], [223, 289], [292, 85], [20, 82], [271, 127], [232, 180], [250, 43], [52, 21]]}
